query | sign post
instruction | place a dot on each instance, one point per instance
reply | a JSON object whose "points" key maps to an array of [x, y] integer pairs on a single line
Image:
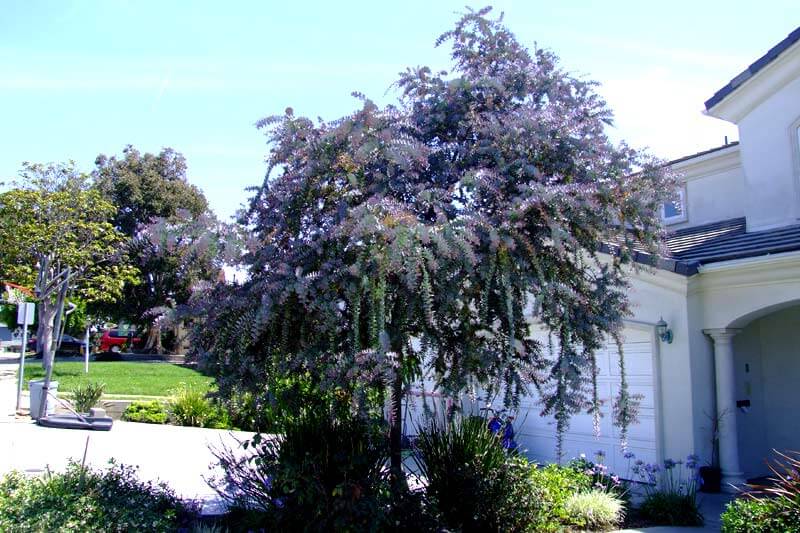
{"points": [[86, 352], [25, 317]]}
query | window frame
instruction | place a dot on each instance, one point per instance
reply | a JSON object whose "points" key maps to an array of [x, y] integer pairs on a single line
{"points": [[794, 136], [683, 216]]}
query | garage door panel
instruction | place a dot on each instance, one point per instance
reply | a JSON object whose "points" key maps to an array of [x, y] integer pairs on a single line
{"points": [[644, 430], [537, 434], [638, 360], [644, 393], [541, 448]]}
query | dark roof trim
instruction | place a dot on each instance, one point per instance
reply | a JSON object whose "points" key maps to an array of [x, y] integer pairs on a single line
{"points": [[753, 69], [701, 154], [688, 249], [661, 263]]}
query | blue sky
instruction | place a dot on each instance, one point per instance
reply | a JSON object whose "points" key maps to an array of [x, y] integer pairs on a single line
{"points": [[82, 78]]}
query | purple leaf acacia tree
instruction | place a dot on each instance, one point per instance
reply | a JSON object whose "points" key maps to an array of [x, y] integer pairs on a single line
{"points": [[485, 191]]}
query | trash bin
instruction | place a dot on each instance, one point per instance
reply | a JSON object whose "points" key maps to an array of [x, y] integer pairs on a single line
{"points": [[35, 387]]}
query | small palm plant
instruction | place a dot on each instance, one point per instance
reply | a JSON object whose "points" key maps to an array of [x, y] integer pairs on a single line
{"points": [[87, 395]]}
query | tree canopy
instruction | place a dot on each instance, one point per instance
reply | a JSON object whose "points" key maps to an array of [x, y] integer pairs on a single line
{"points": [[53, 216], [147, 186], [482, 198], [175, 240]]}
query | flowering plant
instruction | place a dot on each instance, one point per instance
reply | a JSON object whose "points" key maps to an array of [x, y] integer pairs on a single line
{"points": [[602, 478], [672, 477]]}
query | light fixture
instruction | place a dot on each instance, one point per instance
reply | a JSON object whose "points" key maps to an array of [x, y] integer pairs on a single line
{"points": [[664, 333]]}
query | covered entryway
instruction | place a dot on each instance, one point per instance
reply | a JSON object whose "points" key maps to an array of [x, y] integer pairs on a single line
{"points": [[751, 312], [537, 434], [766, 354]]}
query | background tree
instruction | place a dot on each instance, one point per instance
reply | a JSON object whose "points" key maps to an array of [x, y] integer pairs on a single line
{"points": [[174, 237], [56, 238], [174, 255], [147, 186], [487, 191]]}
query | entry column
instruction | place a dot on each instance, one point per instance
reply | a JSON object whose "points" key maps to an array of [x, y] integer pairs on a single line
{"points": [[726, 406]]}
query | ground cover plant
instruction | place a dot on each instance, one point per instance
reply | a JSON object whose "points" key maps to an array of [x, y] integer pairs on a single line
{"points": [[152, 412], [123, 377], [87, 500]]}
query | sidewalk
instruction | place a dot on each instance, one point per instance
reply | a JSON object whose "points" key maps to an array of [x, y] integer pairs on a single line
{"points": [[179, 456], [9, 363]]}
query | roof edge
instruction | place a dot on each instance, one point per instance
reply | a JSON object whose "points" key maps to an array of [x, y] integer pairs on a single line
{"points": [[753, 69]]}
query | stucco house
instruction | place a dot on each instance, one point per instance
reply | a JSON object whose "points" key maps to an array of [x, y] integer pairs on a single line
{"points": [[729, 291]]}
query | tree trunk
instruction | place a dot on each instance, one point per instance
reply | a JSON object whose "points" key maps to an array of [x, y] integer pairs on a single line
{"points": [[54, 317], [153, 343], [45, 343], [396, 429]]}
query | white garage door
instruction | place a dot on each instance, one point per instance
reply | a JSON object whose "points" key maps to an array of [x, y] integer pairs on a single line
{"points": [[537, 434]]}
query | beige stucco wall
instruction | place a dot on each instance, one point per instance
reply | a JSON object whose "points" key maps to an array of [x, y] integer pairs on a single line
{"points": [[662, 294], [768, 136], [732, 294], [715, 188]]}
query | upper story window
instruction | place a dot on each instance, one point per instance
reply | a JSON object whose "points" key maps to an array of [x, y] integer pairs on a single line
{"points": [[674, 209]]}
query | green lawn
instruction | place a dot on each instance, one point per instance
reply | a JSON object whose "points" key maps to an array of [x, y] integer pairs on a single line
{"points": [[121, 377]]}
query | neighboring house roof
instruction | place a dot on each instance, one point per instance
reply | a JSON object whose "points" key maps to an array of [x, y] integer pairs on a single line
{"points": [[751, 71], [701, 154], [727, 240]]}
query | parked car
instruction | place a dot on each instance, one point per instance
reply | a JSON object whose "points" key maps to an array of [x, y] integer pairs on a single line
{"points": [[114, 340], [69, 344]]}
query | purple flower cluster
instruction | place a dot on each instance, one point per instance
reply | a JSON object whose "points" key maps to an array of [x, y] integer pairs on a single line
{"points": [[692, 461]]}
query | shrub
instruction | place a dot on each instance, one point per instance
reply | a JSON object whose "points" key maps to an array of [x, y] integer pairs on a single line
{"points": [[81, 499], [475, 485], [671, 492], [773, 508], [555, 484], [190, 406], [670, 509], [464, 466], [86, 395], [152, 412], [595, 510], [324, 473]]}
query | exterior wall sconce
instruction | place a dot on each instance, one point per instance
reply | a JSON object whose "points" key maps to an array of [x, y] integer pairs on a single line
{"points": [[664, 333]]}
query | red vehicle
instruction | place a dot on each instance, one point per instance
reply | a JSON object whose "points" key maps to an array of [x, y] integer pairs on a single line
{"points": [[114, 340]]}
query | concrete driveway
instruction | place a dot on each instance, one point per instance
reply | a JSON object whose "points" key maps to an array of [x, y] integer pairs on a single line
{"points": [[179, 456]]}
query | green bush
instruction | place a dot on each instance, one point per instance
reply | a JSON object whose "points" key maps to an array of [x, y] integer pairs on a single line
{"points": [[86, 395], [324, 474], [775, 508], [596, 510], [671, 509], [555, 484], [85, 500], [190, 406], [464, 466], [152, 412], [474, 485]]}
